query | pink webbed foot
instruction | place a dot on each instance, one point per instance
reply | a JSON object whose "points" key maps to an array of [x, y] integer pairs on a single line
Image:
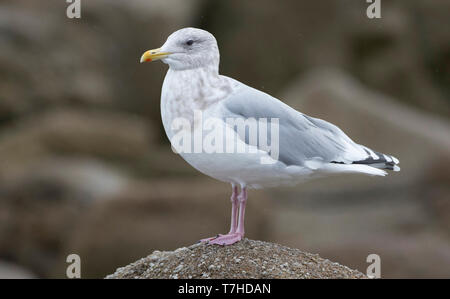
{"points": [[236, 232], [227, 239], [210, 239]]}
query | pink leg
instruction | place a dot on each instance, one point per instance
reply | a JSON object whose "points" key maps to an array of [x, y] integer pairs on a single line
{"points": [[234, 210], [236, 236], [242, 203], [234, 214]]}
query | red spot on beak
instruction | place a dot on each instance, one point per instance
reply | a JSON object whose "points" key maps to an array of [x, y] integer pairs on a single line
{"points": [[148, 60]]}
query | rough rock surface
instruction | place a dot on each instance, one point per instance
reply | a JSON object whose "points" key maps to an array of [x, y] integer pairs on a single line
{"points": [[245, 259]]}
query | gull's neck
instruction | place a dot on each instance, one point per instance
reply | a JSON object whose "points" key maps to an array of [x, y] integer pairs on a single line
{"points": [[185, 91]]}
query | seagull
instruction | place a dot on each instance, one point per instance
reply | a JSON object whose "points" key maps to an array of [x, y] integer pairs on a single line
{"points": [[196, 99]]}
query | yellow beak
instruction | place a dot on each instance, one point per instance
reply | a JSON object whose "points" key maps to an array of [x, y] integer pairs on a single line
{"points": [[154, 54]]}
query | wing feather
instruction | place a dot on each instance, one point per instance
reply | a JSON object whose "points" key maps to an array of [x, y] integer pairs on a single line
{"points": [[301, 137]]}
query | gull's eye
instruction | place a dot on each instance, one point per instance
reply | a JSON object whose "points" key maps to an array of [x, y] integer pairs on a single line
{"points": [[190, 42]]}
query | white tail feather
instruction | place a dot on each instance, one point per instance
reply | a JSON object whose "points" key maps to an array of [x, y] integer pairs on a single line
{"points": [[353, 168]]}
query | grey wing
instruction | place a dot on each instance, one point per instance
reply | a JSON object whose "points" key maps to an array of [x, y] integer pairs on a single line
{"points": [[301, 137]]}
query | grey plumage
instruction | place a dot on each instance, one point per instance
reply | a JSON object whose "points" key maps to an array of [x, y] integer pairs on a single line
{"points": [[302, 137]]}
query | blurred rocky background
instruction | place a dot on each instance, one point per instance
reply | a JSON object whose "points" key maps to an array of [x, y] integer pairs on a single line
{"points": [[85, 166]]}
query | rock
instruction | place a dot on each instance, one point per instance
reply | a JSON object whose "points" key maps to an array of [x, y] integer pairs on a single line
{"points": [[158, 214], [402, 217], [90, 62], [35, 222], [117, 137], [12, 271], [396, 54], [424, 255], [110, 135], [245, 259], [40, 208], [79, 179], [338, 97]]}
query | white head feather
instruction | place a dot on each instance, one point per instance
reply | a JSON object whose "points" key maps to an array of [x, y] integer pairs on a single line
{"points": [[191, 48]]}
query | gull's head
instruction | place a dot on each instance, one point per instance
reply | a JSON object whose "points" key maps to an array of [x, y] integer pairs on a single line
{"points": [[187, 48]]}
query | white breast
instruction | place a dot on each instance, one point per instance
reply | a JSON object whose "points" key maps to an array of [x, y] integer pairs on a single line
{"points": [[179, 99], [186, 91]]}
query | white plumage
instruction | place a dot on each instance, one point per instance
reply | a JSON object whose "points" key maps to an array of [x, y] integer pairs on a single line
{"points": [[308, 147]]}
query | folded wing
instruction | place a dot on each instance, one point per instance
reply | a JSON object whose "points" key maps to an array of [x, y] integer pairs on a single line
{"points": [[301, 138]]}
